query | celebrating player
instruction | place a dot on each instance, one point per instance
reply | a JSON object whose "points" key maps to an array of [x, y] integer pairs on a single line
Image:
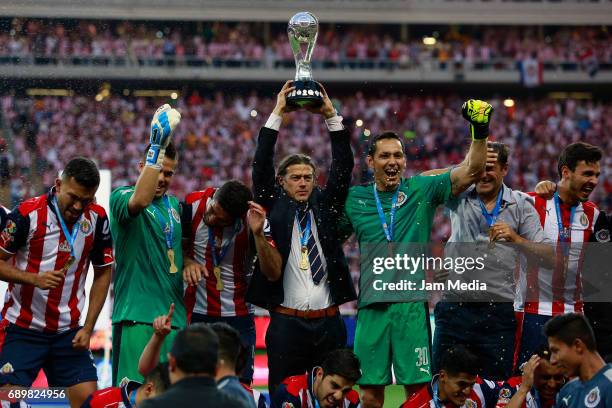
{"points": [[146, 226], [53, 238], [303, 291], [394, 209], [130, 394], [572, 347], [327, 386], [215, 239], [567, 218], [456, 385]]}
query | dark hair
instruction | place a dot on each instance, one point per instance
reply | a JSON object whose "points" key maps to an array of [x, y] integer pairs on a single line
{"points": [[230, 345], [381, 136], [292, 159], [569, 327], [579, 151], [501, 150], [342, 362], [84, 171], [159, 377], [458, 359], [543, 352], [171, 152], [195, 349], [234, 198]]}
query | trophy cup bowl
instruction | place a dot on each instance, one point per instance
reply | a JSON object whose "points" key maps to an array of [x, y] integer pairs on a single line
{"points": [[302, 32]]}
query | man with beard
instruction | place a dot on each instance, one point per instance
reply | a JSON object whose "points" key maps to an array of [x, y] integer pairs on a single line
{"points": [[537, 387], [51, 240], [572, 347], [396, 210], [146, 228], [568, 220], [327, 386]]}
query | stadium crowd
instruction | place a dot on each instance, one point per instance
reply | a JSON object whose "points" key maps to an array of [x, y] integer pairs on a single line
{"points": [[218, 134], [179, 299], [243, 44]]}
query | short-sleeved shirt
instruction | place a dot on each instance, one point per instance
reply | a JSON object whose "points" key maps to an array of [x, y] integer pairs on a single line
{"points": [[470, 236], [143, 284], [417, 200], [595, 393], [34, 235]]}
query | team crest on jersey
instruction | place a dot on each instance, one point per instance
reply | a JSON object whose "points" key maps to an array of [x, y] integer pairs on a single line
{"points": [[592, 398], [584, 220], [287, 405], [7, 369], [470, 403], [175, 215], [9, 232], [401, 198], [85, 227], [505, 394], [64, 246], [602, 235]]}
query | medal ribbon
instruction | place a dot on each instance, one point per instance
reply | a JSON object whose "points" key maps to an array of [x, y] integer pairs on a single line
{"points": [[387, 228], [75, 228], [492, 216], [218, 258], [564, 233], [304, 234], [167, 227]]}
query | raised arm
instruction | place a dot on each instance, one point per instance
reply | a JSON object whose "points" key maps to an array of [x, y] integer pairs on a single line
{"points": [[263, 163], [270, 261], [478, 113], [163, 124]]}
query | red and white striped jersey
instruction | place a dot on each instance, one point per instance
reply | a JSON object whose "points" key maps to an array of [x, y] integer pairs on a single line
{"points": [[205, 298], [483, 394], [551, 292], [33, 233]]}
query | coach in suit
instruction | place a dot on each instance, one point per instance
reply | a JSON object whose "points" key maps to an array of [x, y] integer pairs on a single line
{"points": [[192, 365], [311, 278]]}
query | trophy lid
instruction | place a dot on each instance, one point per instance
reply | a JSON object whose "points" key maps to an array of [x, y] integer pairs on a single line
{"points": [[303, 26]]}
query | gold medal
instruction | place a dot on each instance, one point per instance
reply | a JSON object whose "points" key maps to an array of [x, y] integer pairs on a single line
{"points": [[173, 268], [68, 264], [217, 272], [304, 264]]}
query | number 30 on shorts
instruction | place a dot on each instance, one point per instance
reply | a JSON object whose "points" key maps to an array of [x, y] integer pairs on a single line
{"points": [[423, 356]]}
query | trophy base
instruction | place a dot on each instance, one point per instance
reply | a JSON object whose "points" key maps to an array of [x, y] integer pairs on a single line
{"points": [[306, 93]]}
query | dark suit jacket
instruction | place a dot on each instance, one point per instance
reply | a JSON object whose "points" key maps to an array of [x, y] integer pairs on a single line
{"points": [[196, 392], [326, 203]]}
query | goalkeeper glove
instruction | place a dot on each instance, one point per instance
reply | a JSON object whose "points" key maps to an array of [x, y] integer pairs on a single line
{"points": [[163, 124], [478, 113]]}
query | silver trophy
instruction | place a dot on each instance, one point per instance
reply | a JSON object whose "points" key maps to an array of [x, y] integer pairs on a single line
{"points": [[302, 31]]}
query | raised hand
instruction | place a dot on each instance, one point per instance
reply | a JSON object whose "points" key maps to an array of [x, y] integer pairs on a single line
{"points": [[326, 108], [281, 99], [162, 325], [478, 113], [164, 122], [256, 218], [546, 189]]}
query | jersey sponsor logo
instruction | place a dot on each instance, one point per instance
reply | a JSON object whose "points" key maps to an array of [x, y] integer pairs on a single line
{"points": [[584, 220], [602, 235], [592, 398], [7, 369], [85, 227], [175, 215], [64, 246]]}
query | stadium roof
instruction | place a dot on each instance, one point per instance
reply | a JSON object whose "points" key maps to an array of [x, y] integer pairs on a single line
{"points": [[565, 12]]}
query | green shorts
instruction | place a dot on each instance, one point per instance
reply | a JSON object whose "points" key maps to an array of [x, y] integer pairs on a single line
{"points": [[129, 340], [395, 334]]}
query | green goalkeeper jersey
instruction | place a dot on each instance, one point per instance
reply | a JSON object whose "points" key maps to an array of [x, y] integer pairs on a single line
{"points": [[144, 285], [418, 198]]}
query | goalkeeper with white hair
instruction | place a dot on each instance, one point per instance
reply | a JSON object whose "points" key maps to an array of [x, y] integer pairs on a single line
{"points": [[146, 227]]}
